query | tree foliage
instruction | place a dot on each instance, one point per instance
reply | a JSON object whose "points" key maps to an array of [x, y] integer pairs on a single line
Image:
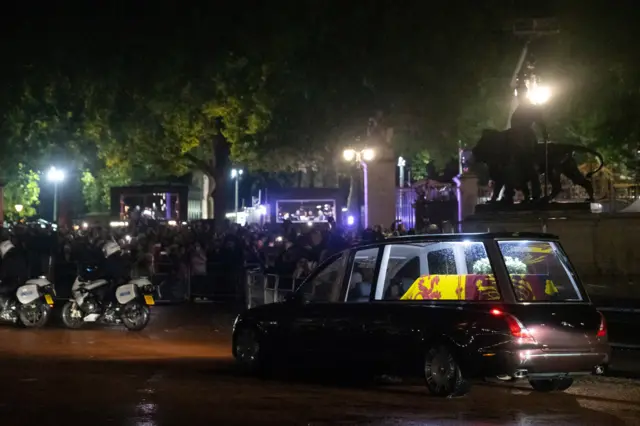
{"points": [[23, 189], [285, 90]]}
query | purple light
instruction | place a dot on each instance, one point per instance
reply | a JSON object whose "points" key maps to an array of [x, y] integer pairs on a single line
{"points": [[351, 220], [456, 180]]}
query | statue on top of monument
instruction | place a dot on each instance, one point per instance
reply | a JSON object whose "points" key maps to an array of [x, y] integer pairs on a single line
{"points": [[523, 142], [527, 114]]}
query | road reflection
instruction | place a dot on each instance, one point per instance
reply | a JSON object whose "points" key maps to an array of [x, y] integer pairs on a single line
{"points": [[174, 375]]}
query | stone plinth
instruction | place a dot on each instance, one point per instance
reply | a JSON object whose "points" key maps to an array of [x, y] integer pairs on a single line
{"points": [[529, 208], [602, 247]]}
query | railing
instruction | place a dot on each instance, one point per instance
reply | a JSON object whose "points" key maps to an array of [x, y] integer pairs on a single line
{"points": [[172, 284], [247, 285], [268, 288]]}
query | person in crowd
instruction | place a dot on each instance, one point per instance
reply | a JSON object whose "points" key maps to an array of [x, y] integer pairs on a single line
{"points": [[194, 251], [198, 261]]}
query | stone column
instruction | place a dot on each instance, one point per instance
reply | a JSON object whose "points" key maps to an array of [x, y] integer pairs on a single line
{"points": [[205, 197], [382, 192], [1, 205], [468, 198]]}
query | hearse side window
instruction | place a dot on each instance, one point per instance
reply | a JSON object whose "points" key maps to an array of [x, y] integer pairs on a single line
{"points": [[438, 270], [539, 271], [442, 262], [362, 276], [326, 284], [401, 267]]}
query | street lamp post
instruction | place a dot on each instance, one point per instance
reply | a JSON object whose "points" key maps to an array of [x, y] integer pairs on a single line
{"points": [[540, 95], [236, 174], [362, 158], [401, 164], [56, 176]]}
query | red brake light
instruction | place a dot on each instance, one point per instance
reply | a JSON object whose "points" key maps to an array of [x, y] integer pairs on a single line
{"points": [[517, 329], [602, 331]]}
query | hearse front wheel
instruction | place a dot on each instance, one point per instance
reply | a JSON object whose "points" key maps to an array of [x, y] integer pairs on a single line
{"points": [[248, 350], [442, 373], [550, 385]]}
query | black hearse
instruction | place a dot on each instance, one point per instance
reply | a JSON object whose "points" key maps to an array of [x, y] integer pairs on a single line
{"points": [[446, 307]]}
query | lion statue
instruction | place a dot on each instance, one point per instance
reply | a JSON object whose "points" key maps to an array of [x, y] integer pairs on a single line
{"points": [[493, 150]]}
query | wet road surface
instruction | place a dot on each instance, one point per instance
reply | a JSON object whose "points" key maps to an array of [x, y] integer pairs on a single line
{"points": [[180, 372]]}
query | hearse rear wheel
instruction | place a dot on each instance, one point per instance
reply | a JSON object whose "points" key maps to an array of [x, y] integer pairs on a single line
{"points": [[442, 373], [550, 385]]}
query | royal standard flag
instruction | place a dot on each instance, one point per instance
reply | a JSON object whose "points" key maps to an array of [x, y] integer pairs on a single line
{"points": [[478, 287]]}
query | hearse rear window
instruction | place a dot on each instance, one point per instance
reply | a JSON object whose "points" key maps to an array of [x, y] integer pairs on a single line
{"points": [[539, 271], [456, 270]]}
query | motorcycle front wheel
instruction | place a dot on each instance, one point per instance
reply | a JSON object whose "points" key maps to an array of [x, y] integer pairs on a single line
{"points": [[34, 315], [72, 316], [135, 315]]}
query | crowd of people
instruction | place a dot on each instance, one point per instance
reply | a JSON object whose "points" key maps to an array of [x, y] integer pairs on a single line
{"points": [[195, 250]]}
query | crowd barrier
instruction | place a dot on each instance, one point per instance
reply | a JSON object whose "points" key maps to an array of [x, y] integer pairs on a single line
{"points": [[265, 288], [174, 283]]}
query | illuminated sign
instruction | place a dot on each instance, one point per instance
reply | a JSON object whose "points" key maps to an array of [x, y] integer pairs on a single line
{"points": [[299, 211]]}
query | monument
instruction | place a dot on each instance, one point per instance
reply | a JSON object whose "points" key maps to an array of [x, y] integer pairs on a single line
{"points": [[601, 246]]}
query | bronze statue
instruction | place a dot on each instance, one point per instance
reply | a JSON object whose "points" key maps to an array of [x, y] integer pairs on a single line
{"points": [[507, 169], [522, 140]]}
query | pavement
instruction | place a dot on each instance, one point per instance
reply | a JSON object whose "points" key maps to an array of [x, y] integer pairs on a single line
{"points": [[179, 371]]}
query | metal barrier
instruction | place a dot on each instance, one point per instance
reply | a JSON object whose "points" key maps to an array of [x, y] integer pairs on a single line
{"points": [[268, 288], [174, 282], [62, 277], [222, 283]]}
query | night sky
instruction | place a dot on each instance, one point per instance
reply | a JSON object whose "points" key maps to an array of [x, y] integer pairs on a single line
{"points": [[419, 61]]}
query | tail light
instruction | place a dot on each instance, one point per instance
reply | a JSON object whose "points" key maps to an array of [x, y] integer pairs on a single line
{"points": [[517, 329], [602, 331]]}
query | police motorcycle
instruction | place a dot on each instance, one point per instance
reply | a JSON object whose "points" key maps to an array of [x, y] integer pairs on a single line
{"points": [[31, 304], [93, 302]]}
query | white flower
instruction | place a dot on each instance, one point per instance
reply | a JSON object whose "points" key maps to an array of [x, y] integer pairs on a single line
{"points": [[514, 266], [482, 266]]}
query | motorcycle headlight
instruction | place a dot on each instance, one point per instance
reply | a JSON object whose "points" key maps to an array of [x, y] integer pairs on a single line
{"points": [[48, 290]]}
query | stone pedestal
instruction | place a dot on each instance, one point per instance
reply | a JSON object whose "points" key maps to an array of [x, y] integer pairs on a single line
{"points": [[602, 247]]}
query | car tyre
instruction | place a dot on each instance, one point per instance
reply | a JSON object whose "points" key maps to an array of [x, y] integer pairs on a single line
{"points": [[564, 384], [442, 373], [135, 315], [550, 385], [68, 319], [249, 350], [35, 315]]}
